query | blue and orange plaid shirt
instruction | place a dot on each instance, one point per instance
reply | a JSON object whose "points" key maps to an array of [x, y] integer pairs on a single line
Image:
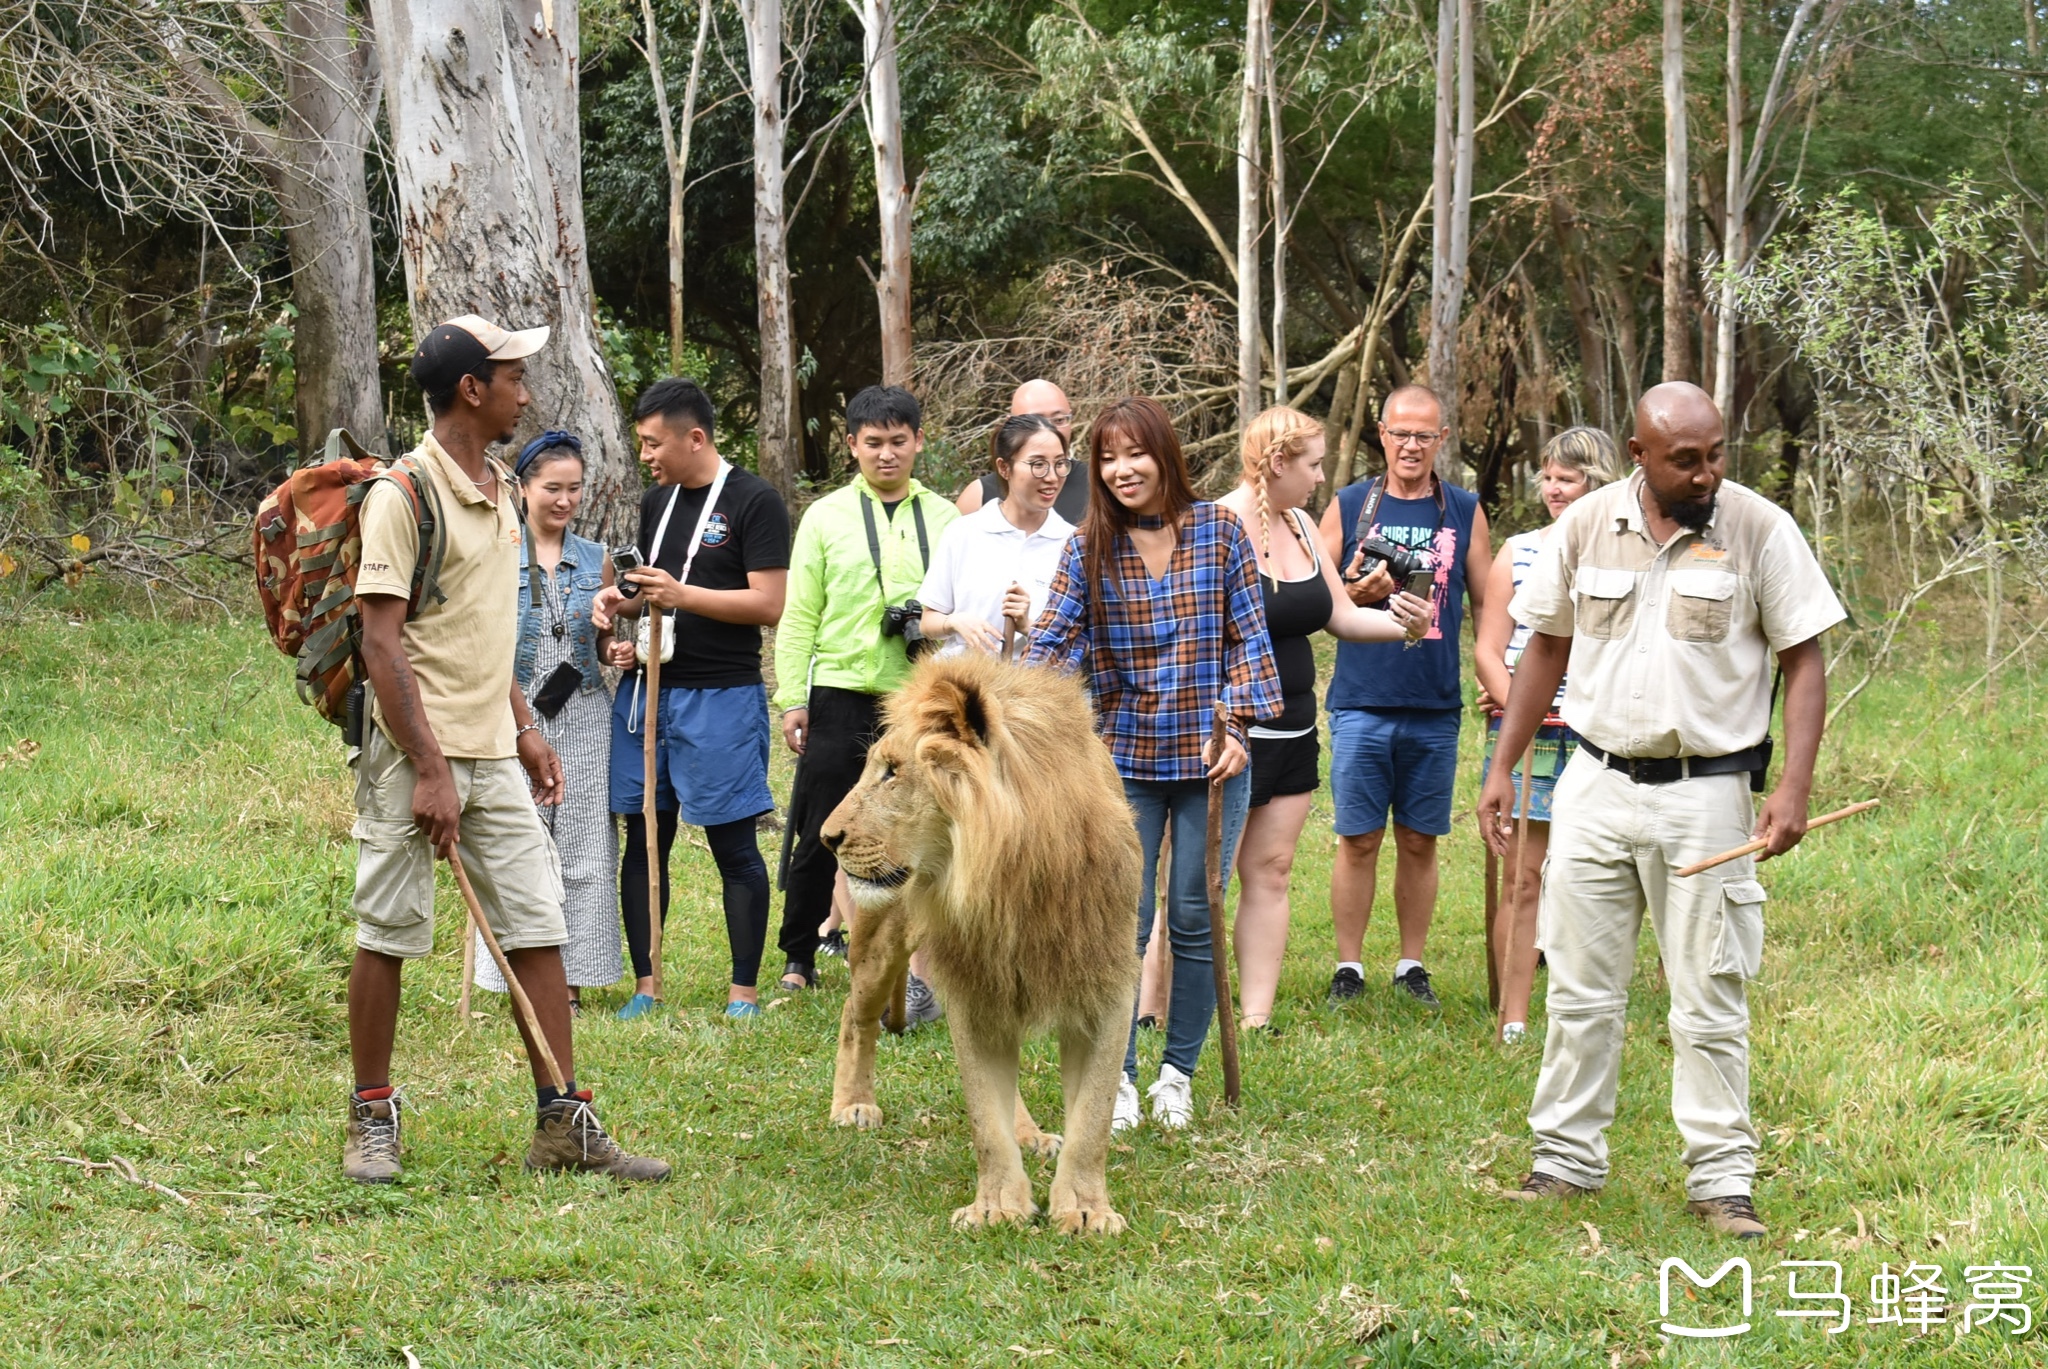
{"points": [[1161, 652]]}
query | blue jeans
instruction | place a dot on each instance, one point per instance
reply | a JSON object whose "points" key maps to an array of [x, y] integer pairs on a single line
{"points": [[1187, 901]]}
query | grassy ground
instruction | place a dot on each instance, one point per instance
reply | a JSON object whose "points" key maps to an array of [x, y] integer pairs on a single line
{"points": [[174, 881]]}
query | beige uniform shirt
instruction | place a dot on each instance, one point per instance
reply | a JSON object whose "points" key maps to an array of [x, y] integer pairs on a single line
{"points": [[461, 649], [1671, 645]]}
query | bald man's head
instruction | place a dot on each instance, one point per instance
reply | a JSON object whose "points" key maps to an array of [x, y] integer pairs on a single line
{"points": [[1046, 399], [1679, 443]]}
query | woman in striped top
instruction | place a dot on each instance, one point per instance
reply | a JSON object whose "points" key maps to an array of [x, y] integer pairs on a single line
{"points": [[1575, 463]]}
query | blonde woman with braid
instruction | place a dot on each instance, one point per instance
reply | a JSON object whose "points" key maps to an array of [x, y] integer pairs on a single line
{"points": [[1283, 464], [1575, 463]]}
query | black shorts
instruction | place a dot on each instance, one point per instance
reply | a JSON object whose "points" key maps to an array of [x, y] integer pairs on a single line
{"points": [[1285, 765]]}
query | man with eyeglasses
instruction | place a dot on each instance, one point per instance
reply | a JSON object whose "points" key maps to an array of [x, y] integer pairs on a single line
{"points": [[1394, 707], [1047, 400]]}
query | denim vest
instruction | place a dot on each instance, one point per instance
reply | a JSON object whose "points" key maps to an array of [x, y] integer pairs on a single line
{"points": [[583, 563]]}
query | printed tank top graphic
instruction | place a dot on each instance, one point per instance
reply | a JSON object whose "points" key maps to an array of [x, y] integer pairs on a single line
{"points": [[1439, 545]]}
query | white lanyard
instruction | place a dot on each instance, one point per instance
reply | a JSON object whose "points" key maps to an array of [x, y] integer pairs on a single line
{"points": [[703, 521]]}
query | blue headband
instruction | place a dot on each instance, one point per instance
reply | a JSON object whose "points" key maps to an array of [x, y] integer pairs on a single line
{"points": [[547, 441]]}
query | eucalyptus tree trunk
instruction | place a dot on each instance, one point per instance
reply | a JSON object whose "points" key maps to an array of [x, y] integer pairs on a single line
{"points": [[675, 148], [892, 187], [777, 436], [1456, 35], [481, 96], [1250, 190], [1733, 222], [1677, 318], [1276, 139]]}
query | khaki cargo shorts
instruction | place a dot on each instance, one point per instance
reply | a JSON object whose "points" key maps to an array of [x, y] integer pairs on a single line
{"points": [[510, 859]]}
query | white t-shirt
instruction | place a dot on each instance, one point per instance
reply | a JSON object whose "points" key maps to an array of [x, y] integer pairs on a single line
{"points": [[981, 556]]}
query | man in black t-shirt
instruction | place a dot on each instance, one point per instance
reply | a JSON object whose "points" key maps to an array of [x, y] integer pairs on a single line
{"points": [[720, 573]]}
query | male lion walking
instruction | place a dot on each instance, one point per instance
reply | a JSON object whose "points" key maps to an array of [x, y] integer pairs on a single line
{"points": [[990, 828]]}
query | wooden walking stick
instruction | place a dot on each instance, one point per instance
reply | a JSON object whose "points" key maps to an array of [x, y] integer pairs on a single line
{"points": [[1498, 951], [483, 929], [1492, 916], [1219, 932], [1750, 848], [649, 725], [468, 975]]}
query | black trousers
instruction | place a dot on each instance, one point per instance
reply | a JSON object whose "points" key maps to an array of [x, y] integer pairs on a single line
{"points": [[843, 726]]}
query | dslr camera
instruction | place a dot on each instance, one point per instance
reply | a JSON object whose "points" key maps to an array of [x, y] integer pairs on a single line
{"points": [[1401, 562], [906, 620]]}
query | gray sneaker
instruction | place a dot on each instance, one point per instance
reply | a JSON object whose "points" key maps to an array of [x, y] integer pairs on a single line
{"points": [[369, 1154], [920, 1004]]}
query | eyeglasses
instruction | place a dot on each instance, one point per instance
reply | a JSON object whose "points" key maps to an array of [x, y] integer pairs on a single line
{"points": [[1038, 469], [1407, 439]]}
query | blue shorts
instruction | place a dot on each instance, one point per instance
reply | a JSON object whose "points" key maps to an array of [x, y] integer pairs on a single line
{"points": [[711, 749], [1399, 759]]}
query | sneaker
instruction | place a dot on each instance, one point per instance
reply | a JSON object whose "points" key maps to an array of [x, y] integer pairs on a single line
{"points": [[369, 1154], [1540, 1186], [1173, 1099], [1732, 1215], [1416, 982], [1128, 1114], [639, 1005], [740, 1007], [833, 944], [1345, 985], [568, 1139], [1514, 1033], [920, 1004]]}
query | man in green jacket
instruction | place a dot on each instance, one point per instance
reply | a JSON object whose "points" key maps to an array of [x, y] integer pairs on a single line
{"points": [[859, 551]]}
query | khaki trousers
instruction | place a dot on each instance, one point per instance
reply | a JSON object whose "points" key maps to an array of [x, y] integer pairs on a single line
{"points": [[1613, 846]]}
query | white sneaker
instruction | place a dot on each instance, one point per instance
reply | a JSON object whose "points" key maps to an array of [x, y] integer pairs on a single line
{"points": [[1173, 1102], [1514, 1034], [1127, 1114]]}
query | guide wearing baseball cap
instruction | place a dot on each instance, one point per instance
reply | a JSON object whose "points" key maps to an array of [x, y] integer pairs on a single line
{"points": [[455, 755]]}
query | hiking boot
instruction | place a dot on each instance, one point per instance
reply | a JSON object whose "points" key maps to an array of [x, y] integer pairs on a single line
{"points": [[1173, 1099], [920, 1004], [369, 1154], [1345, 985], [568, 1139], [833, 944], [1416, 982], [1730, 1215], [1128, 1113], [1540, 1186]]}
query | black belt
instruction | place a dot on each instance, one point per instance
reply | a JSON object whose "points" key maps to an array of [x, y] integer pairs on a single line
{"points": [[1671, 769]]}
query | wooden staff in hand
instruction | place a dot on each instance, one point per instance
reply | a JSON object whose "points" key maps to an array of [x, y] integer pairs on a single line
{"points": [[1219, 930], [1750, 848], [649, 724], [526, 1012], [1499, 949]]}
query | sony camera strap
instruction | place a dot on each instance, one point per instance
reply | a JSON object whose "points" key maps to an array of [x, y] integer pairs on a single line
{"points": [[924, 551]]}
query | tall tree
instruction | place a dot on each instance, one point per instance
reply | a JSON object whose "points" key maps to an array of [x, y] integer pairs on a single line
{"points": [[884, 109], [1677, 191], [675, 149], [1452, 195], [1251, 189], [482, 100], [1276, 139], [777, 435]]}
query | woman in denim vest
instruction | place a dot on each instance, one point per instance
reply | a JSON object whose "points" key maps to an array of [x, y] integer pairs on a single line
{"points": [[559, 574]]}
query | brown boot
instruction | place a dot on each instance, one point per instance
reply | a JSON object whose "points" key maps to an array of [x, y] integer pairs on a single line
{"points": [[1731, 1215], [369, 1155], [1540, 1186], [568, 1139]]}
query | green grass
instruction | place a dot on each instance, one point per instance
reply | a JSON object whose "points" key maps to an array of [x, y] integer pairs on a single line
{"points": [[174, 881]]}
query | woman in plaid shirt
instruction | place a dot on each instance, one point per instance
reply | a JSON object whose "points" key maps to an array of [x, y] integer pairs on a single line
{"points": [[1158, 594]]}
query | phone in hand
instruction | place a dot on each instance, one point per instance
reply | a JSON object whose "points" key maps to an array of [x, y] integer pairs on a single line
{"points": [[1422, 584]]}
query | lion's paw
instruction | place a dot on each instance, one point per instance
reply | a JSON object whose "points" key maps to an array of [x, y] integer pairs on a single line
{"points": [[861, 1115], [993, 1212], [1097, 1220], [1044, 1144]]}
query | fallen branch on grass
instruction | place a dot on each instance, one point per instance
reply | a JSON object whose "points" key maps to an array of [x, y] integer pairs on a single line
{"points": [[123, 1168]]}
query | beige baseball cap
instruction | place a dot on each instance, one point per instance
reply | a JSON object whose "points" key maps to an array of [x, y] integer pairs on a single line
{"points": [[453, 349]]}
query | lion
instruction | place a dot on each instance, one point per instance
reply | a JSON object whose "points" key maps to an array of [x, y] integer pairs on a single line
{"points": [[990, 829]]}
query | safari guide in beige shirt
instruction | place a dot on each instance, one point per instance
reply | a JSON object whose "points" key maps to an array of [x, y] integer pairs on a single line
{"points": [[448, 764], [1667, 596]]}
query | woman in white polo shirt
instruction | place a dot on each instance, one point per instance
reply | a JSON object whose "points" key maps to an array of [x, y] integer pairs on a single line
{"points": [[998, 562]]}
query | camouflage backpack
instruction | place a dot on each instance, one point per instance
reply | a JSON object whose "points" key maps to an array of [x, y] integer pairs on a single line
{"points": [[309, 546]]}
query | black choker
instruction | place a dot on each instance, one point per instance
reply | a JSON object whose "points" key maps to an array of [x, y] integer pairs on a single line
{"points": [[1148, 521]]}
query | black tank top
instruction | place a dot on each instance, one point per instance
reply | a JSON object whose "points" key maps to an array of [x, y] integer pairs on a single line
{"points": [[1296, 610]]}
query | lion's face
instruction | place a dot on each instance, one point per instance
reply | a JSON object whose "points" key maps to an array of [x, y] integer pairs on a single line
{"points": [[885, 831]]}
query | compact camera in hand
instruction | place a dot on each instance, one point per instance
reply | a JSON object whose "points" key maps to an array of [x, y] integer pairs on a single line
{"points": [[906, 620], [1401, 562], [626, 559]]}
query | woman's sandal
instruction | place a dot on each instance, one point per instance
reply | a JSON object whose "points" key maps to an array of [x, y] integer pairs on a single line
{"points": [[796, 977]]}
